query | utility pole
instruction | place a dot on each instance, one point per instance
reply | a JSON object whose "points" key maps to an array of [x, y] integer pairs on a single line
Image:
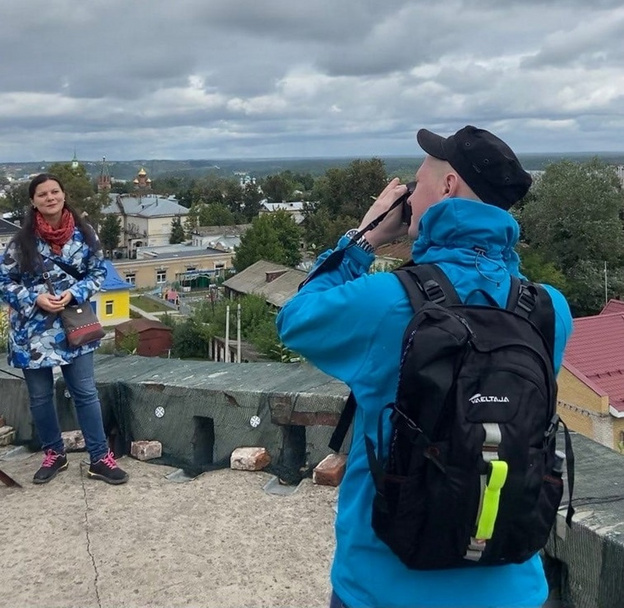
{"points": [[227, 334], [605, 283], [238, 334]]}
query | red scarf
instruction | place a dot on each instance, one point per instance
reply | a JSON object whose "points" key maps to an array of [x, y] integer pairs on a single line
{"points": [[56, 237]]}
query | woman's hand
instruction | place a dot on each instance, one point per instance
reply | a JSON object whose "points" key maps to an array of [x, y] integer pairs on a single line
{"points": [[391, 228], [50, 303], [66, 297]]}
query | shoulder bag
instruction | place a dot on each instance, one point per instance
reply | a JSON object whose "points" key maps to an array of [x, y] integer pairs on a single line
{"points": [[79, 320]]}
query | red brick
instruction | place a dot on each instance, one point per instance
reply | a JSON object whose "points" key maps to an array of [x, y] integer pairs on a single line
{"points": [[249, 459], [146, 450], [7, 435], [73, 441], [330, 471]]}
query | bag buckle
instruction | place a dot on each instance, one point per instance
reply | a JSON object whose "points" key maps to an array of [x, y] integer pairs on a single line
{"points": [[433, 291], [552, 426], [526, 299], [46, 275]]}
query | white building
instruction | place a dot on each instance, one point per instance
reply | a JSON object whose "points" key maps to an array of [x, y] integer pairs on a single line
{"points": [[145, 219]]}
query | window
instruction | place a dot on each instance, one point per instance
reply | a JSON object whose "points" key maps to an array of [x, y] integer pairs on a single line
{"points": [[109, 307], [219, 268], [131, 278], [161, 277]]}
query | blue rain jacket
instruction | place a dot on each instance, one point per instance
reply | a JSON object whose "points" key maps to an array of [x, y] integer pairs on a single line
{"points": [[36, 337], [350, 324]]}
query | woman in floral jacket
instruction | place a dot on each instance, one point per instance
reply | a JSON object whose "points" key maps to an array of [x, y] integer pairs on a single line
{"points": [[52, 231]]}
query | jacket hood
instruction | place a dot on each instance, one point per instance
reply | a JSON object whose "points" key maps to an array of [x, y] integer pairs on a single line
{"points": [[455, 230]]}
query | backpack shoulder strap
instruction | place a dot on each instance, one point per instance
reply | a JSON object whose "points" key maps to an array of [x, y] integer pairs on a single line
{"points": [[532, 301], [422, 283], [427, 282], [344, 422]]}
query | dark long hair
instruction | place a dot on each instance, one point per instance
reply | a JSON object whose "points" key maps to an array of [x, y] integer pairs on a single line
{"points": [[26, 239]]}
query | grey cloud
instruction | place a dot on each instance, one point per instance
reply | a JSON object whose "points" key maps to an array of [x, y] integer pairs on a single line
{"points": [[227, 78]]}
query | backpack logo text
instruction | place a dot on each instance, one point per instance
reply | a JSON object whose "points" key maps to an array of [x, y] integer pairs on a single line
{"points": [[479, 398]]}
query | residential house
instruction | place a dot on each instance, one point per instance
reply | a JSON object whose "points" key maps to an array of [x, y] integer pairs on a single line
{"points": [[294, 209], [591, 380], [225, 238], [274, 282], [186, 266], [145, 219], [112, 302]]}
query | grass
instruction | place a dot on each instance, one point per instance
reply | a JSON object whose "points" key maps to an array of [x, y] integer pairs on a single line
{"points": [[148, 305]]}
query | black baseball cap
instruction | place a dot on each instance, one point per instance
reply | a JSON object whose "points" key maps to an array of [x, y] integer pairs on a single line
{"points": [[485, 162]]}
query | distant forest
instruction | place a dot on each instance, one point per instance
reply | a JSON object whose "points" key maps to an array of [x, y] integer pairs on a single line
{"points": [[395, 165]]}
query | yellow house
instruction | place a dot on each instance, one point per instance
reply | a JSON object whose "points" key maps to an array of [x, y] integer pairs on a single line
{"points": [[591, 380], [112, 302]]}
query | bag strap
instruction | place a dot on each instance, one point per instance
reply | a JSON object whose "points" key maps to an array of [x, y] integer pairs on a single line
{"points": [[427, 282], [422, 283], [344, 422], [569, 452], [532, 301], [68, 268], [46, 275]]}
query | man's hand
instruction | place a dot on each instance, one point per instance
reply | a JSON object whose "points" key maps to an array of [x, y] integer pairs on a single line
{"points": [[391, 228]]}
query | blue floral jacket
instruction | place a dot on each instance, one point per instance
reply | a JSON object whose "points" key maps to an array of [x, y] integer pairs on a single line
{"points": [[36, 337]]}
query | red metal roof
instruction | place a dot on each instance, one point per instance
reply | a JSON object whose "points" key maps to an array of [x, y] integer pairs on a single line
{"points": [[596, 349], [612, 306]]}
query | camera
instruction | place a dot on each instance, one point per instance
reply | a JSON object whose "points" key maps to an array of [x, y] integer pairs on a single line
{"points": [[406, 209]]}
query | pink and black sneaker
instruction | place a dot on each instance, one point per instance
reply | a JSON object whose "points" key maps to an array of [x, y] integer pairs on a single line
{"points": [[107, 470], [52, 464]]}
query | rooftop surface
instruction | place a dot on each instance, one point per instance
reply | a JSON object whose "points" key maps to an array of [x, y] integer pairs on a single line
{"points": [[218, 540]]}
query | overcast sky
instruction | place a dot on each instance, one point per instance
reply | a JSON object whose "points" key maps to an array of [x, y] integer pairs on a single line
{"points": [[217, 79]]}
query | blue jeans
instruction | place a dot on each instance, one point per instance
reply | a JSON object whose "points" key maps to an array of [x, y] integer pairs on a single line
{"points": [[80, 379], [335, 601]]}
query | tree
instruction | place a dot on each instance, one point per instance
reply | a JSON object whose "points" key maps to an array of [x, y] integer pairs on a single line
{"points": [[251, 201], [575, 213], [537, 269], [78, 189], [322, 232], [216, 214], [278, 188], [110, 231], [573, 219], [352, 190], [233, 197], [257, 323], [177, 231], [16, 201], [274, 237]]}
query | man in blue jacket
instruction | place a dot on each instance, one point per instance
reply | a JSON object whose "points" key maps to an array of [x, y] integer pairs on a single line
{"points": [[350, 324]]}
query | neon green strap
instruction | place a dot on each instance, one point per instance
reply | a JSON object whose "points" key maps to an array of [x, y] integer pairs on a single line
{"points": [[491, 499]]}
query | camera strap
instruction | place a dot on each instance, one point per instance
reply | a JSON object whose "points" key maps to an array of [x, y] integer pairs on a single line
{"points": [[334, 259]]}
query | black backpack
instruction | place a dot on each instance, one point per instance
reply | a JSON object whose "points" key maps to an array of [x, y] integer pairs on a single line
{"points": [[471, 475]]}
